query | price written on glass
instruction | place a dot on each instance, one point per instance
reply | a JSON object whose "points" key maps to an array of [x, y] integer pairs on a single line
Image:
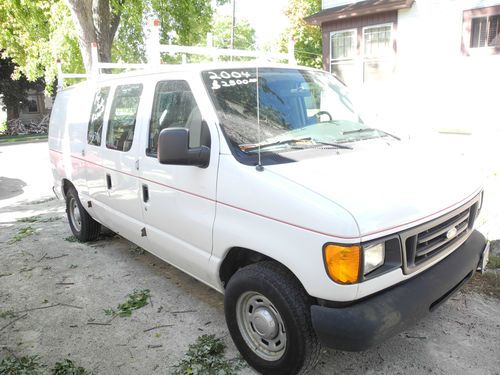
{"points": [[228, 79]]}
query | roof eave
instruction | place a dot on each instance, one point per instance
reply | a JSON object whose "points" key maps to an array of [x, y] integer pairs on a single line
{"points": [[326, 16]]}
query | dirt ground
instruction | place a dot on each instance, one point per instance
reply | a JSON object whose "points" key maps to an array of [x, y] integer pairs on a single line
{"points": [[59, 290]]}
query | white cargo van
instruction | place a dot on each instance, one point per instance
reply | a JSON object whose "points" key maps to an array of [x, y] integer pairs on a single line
{"points": [[263, 182]]}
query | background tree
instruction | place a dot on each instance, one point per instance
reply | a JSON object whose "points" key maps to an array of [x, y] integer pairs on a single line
{"points": [[38, 32], [35, 33], [308, 49], [13, 92], [244, 34]]}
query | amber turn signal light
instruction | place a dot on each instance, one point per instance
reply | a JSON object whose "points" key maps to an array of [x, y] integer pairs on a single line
{"points": [[343, 263]]}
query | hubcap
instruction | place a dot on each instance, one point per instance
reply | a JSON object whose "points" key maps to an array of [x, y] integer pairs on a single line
{"points": [[74, 214], [261, 326]]}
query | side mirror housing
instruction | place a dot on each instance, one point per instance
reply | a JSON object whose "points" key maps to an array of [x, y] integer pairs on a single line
{"points": [[173, 148]]}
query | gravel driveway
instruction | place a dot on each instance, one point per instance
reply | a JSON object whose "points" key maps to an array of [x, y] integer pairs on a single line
{"points": [[58, 291]]}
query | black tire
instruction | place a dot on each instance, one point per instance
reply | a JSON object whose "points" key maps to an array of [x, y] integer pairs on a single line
{"points": [[83, 226], [287, 296]]}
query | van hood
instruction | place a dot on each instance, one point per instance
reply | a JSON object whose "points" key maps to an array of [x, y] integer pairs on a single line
{"points": [[387, 187]]}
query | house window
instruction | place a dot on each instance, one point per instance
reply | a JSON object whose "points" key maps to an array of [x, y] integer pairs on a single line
{"points": [[481, 31], [485, 32], [377, 52], [31, 104], [343, 50]]}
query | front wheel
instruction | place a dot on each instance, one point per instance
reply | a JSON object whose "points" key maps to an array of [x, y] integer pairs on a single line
{"points": [[268, 315], [83, 226]]}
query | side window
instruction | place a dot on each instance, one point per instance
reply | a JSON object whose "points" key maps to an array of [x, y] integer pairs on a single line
{"points": [[122, 117], [174, 106], [96, 121]]}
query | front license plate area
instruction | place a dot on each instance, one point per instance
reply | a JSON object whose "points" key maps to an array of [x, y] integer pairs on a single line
{"points": [[485, 257]]}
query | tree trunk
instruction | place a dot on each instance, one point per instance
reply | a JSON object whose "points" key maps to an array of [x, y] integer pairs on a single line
{"points": [[12, 111], [94, 22]]}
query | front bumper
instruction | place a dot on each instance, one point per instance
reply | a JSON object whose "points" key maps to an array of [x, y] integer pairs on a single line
{"points": [[368, 322]]}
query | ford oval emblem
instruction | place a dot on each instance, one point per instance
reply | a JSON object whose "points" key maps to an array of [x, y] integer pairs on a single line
{"points": [[451, 233]]}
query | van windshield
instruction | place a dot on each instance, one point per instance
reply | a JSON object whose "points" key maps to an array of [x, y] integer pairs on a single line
{"points": [[298, 109]]}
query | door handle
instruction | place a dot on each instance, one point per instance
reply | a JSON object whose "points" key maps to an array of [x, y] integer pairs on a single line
{"points": [[108, 181], [145, 193]]}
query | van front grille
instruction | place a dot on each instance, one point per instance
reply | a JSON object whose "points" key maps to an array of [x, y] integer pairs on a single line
{"points": [[428, 241]]}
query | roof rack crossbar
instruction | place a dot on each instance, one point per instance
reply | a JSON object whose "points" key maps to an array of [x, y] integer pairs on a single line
{"points": [[155, 49]]}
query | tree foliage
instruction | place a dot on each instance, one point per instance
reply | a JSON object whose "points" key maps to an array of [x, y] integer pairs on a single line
{"points": [[308, 50], [244, 34], [36, 33]]}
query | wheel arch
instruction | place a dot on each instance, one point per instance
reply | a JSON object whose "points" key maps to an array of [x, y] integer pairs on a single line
{"points": [[239, 257], [65, 186]]}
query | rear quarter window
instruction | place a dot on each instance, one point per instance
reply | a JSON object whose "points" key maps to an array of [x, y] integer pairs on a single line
{"points": [[96, 121]]}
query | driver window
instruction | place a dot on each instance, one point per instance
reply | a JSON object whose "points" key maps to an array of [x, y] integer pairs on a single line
{"points": [[174, 106]]}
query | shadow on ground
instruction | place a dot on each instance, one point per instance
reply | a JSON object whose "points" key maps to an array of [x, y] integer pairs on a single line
{"points": [[11, 187]]}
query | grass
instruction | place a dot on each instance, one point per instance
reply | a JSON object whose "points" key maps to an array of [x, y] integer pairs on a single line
{"points": [[40, 201], [22, 233], [494, 262], [206, 356], [8, 314], [137, 250], [68, 367], [30, 365], [136, 300], [38, 219], [71, 239], [21, 366], [6, 139], [487, 283]]}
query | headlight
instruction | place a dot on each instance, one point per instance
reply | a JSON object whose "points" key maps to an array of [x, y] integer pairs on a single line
{"points": [[374, 257], [351, 264]]}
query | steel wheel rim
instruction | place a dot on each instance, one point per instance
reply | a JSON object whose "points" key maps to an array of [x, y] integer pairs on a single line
{"points": [[261, 326], [74, 214]]}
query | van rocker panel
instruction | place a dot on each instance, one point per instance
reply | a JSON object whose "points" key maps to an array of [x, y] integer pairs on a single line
{"points": [[366, 323]]}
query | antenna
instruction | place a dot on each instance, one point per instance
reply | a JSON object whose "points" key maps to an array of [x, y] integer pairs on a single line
{"points": [[259, 166]]}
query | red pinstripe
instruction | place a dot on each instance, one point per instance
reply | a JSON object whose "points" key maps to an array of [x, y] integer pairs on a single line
{"points": [[272, 218]]}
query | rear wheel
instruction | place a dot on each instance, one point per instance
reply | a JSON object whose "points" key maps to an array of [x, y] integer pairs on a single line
{"points": [[268, 316], [83, 226]]}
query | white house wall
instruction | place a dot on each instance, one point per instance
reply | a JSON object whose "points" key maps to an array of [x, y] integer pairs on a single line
{"points": [[435, 88]]}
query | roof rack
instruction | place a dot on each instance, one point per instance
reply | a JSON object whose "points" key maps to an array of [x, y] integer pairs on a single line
{"points": [[155, 49]]}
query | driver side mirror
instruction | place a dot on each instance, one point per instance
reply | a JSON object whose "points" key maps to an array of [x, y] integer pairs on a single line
{"points": [[173, 148]]}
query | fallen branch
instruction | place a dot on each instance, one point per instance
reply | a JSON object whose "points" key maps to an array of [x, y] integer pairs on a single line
{"points": [[183, 311], [37, 308], [65, 283], [417, 337], [98, 324], [68, 305], [13, 321], [162, 326], [42, 258], [58, 256], [154, 346]]}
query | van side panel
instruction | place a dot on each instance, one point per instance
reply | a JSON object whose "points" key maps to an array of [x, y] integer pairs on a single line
{"points": [[68, 137], [281, 220]]}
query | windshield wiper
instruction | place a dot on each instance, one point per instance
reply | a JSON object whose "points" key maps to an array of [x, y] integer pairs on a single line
{"points": [[363, 130], [297, 140], [336, 145], [283, 142]]}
